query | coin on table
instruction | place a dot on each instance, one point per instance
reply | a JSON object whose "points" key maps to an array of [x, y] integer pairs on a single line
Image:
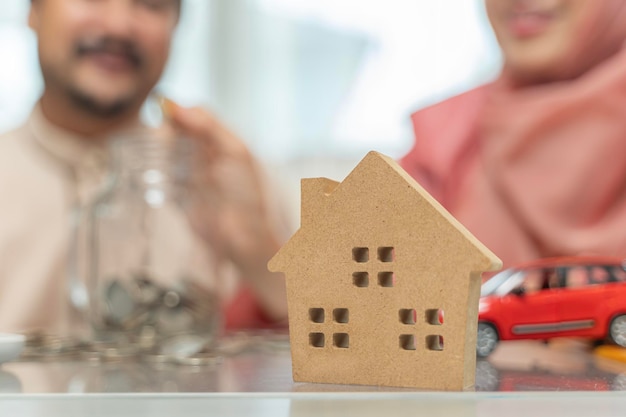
{"points": [[183, 346], [44, 346], [201, 359], [106, 353], [156, 358]]}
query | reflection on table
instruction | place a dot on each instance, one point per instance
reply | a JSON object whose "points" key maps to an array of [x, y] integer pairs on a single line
{"points": [[262, 363], [560, 365]]}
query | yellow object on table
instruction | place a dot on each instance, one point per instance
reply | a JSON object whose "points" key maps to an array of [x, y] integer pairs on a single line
{"points": [[617, 353]]}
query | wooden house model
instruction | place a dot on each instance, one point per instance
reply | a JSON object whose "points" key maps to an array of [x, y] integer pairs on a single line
{"points": [[382, 283]]}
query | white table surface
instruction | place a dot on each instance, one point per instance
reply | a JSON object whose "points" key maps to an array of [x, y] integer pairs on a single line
{"points": [[520, 379]]}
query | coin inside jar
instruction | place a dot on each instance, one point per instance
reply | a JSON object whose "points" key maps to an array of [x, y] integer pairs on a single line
{"points": [[180, 319], [171, 299]]}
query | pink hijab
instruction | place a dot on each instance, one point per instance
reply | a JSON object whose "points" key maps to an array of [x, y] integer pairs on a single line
{"points": [[539, 170]]}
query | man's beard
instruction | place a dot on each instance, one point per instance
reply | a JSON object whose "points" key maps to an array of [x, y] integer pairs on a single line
{"points": [[94, 107]]}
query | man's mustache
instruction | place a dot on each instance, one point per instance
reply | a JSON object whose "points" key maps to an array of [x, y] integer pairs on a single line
{"points": [[111, 45]]}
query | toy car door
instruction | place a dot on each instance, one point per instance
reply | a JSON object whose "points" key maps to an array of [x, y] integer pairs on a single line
{"points": [[580, 300], [531, 308]]}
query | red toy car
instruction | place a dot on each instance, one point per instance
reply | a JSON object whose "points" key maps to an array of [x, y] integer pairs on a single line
{"points": [[557, 297]]}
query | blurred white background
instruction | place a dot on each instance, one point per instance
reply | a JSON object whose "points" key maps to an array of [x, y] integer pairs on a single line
{"points": [[311, 85]]}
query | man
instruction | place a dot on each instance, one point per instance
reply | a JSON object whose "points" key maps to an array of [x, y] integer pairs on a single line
{"points": [[100, 60]]}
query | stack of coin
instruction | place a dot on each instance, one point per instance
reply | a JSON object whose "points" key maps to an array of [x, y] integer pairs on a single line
{"points": [[45, 346], [108, 352]]}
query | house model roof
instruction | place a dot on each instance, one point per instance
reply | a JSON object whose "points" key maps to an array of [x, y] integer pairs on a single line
{"points": [[373, 270]]}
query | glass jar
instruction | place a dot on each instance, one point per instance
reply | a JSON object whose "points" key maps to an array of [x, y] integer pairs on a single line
{"points": [[151, 280]]}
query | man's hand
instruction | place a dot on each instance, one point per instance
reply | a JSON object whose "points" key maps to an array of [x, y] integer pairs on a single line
{"points": [[233, 213]]}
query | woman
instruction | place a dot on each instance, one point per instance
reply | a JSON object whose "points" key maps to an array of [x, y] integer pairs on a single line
{"points": [[534, 164]]}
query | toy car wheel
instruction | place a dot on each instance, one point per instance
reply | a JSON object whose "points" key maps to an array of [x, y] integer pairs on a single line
{"points": [[619, 383], [487, 376], [487, 339], [617, 330]]}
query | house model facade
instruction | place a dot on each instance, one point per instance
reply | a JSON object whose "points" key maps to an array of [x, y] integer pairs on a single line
{"points": [[382, 283]]}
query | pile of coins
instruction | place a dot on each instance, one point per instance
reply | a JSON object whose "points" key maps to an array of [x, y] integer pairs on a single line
{"points": [[40, 345], [179, 351], [176, 321], [190, 350], [140, 319]]}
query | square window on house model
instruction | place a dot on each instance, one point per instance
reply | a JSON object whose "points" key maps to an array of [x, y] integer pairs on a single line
{"points": [[317, 340], [341, 315], [341, 340], [434, 342], [386, 279], [316, 315], [386, 254], [361, 279], [407, 342], [434, 316], [360, 255], [408, 316]]}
